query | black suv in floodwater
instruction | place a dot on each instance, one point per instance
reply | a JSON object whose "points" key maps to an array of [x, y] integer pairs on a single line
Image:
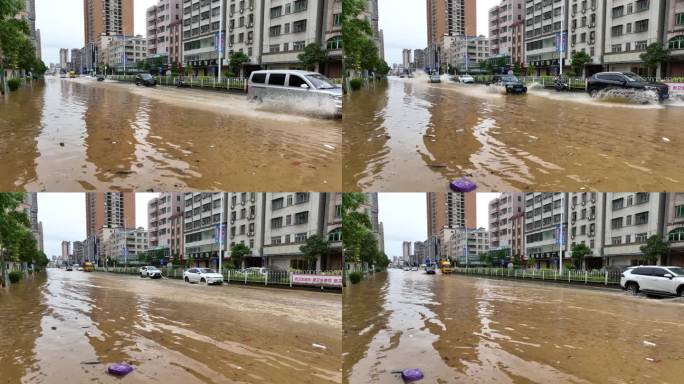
{"points": [[511, 83], [145, 79], [625, 80]]}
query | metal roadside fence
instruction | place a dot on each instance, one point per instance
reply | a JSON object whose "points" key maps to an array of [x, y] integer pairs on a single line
{"points": [[593, 277], [323, 279], [228, 84]]}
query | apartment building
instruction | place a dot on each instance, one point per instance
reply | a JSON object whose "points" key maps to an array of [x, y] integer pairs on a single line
{"points": [[76, 63], [406, 251], [159, 18], [246, 211], [204, 35], [502, 18], [544, 235], [419, 251], [586, 216], [159, 225], [107, 17], [587, 28], [332, 36], [419, 58], [674, 36], [631, 218], [406, 61], [468, 245], [124, 52], [518, 236], [205, 224], [501, 212], [110, 210], [124, 246], [64, 58], [465, 52], [176, 236], [176, 43], [333, 212], [245, 21], [78, 252], [291, 218], [674, 228], [518, 42], [288, 28], [450, 210], [631, 26], [66, 250], [546, 25]]}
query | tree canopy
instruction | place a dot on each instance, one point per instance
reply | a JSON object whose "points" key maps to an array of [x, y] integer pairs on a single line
{"points": [[316, 246], [314, 54]]}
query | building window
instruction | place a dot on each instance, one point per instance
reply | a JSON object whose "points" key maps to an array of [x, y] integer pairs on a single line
{"points": [[676, 234], [641, 218], [677, 42]]}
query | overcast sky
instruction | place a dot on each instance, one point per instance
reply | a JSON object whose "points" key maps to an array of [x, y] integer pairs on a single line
{"points": [[63, 216], [61, 25], [404, 217], [405, 24]]}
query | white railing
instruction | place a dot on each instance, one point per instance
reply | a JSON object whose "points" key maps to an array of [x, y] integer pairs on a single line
{"points": [[607, 278]]}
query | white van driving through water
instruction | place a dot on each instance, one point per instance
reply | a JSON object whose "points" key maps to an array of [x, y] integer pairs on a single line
{"points": [[302, 90]]}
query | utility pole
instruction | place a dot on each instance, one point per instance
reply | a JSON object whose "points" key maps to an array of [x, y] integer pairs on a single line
{"points": [[221, 48], [561, 235], [220, 232], [562, 44]]}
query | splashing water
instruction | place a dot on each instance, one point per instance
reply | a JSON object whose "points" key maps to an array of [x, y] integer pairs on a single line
{"points": [[627, 96]]}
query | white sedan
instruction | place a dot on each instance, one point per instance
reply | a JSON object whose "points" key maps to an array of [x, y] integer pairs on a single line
{"points": [[466, 79], [202, 275], [151, 272]]}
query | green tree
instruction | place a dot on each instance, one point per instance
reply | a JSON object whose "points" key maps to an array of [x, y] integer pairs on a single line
{"points": [[316, 247], [656, 248], [517, 69], [237, 253], [531, 70], [356, 32], [579, 60], [578, 253], [355, 225], [13, 32], [237, 60], [313, 56], [655, 55], [13, 228], [368, 250]]}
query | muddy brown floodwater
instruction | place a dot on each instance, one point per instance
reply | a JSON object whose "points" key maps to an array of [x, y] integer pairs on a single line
{"points": [[408, 135], [78, 134], [67, 327], [461, 329]]}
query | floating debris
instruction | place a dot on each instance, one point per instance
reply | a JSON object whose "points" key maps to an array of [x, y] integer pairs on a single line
{"points": [[119, 369]]}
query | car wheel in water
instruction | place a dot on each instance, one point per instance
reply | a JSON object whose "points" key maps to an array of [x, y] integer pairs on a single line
{"points": [[633, 288], [187, 280], [593, 93], [680, 291], [202, 280]]}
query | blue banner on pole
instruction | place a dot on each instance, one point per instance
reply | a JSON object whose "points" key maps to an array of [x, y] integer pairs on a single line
{"points": [[561, 42], [219, 41], [560, 235]]}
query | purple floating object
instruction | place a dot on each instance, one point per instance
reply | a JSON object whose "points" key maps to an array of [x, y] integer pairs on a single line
{"points": [[120, 369], [463, 185], [412, 374]]}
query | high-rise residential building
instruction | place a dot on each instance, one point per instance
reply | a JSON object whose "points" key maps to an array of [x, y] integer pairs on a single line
{"points": [[176, 236], [78, 252], [245, 29], [518, 43], [674, 228], [448, 18], [28, 13], [76, 63], [66, 251], [107, 17], [205, 229], [203, 37], [176, 43], [545, 23], [419, 58], [159, 18], [64, 59], [287, 29], [502, 18], [544, 234], [332, 37], [586, 216], [419, 251], [406, 251], [160, 210], [631, 218], [247, 210], [406, 59], [373, 16], [333, 232], [630, 27], [587, 27], [110, 210], [450, 210], [501, 212], [674, 37]]}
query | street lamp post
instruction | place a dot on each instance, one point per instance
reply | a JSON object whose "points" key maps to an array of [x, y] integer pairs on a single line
{"points": [[562, 42], [221, 48]]}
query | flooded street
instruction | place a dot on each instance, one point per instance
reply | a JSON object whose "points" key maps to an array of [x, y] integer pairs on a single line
{"points": [[69, 326], [408, 135], [460, 329], [78, 134]]}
